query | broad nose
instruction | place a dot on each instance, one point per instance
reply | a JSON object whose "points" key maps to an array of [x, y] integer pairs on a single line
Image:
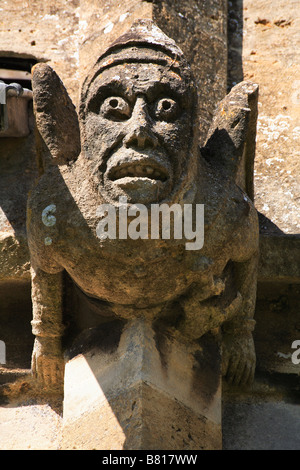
{"points": [[139, 133]]}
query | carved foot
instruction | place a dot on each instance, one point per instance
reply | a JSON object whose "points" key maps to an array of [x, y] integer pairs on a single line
{"points": [[48, 363], [238, 359]]}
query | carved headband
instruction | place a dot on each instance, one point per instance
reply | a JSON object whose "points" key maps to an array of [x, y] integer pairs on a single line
{"points": [[143, 43]]}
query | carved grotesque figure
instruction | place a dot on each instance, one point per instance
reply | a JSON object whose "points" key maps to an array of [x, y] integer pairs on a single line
{"points": [[138, 139]]}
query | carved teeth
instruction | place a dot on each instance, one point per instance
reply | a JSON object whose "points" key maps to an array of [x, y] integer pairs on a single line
{"points": [[150, 170], [138, 171]]}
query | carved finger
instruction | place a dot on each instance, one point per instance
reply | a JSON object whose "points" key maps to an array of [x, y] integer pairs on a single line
{"points": [[57, 372], [60, 375], [52, 374], [40, 371], [233, 363], [250, 378], [225, 362], [49, 373], [33, 365], [47, 376], [246, 374], [239, 372]]}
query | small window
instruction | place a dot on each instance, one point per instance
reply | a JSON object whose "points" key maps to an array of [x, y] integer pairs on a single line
{"points": [[16, 70], [15, 76]]}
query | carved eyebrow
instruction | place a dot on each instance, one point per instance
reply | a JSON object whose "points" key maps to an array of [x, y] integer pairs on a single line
{"points": [[114, 86], [102, 91], [129, 89], [160, 89]]}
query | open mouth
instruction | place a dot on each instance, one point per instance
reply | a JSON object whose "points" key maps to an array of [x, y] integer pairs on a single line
{"points": [[139, 170]]}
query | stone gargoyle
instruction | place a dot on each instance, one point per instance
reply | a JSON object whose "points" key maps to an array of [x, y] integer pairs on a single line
{"points": [[136, 140]]}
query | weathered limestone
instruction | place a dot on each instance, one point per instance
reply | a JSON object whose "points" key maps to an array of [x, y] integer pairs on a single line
{"points": [[199, 29], [33, 31], [261, 47], [139, 140], [60, 33], [43, 31], [267, 44], [279, 259], [267, 37], [17, 173], [37, 31], [143, 389]]}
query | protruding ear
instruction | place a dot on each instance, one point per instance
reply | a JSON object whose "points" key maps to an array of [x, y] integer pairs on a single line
{"points": [[230, 144], [55, 114]]}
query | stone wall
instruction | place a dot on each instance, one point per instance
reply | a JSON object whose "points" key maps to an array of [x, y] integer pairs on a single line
{"points": [[264, 45], [265, 39], [45, 30]]}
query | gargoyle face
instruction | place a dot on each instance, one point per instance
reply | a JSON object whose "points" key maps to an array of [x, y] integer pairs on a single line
{"points": [[138, 132]]}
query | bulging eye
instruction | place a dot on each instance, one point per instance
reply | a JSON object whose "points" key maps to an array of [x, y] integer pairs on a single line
{"points": [[166, 109], [115, 108]]}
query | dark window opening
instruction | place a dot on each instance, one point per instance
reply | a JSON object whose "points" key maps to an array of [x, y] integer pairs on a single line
{"points": [[16, 70]]}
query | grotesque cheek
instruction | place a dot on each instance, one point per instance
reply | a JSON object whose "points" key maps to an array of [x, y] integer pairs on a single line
{"points": [[102, 135], [175, 137]]}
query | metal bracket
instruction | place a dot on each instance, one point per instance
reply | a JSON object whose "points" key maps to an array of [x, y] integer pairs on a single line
{"points": [[14, 110]]}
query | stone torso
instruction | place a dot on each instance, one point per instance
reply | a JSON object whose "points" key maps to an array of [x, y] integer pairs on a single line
{"points": [[140, 273]]}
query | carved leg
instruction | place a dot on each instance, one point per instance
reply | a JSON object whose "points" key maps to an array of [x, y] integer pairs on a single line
{"points": [[47, 358]]}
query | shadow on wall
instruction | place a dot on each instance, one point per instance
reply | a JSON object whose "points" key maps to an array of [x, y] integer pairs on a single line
{"points": [[18, 173]]}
